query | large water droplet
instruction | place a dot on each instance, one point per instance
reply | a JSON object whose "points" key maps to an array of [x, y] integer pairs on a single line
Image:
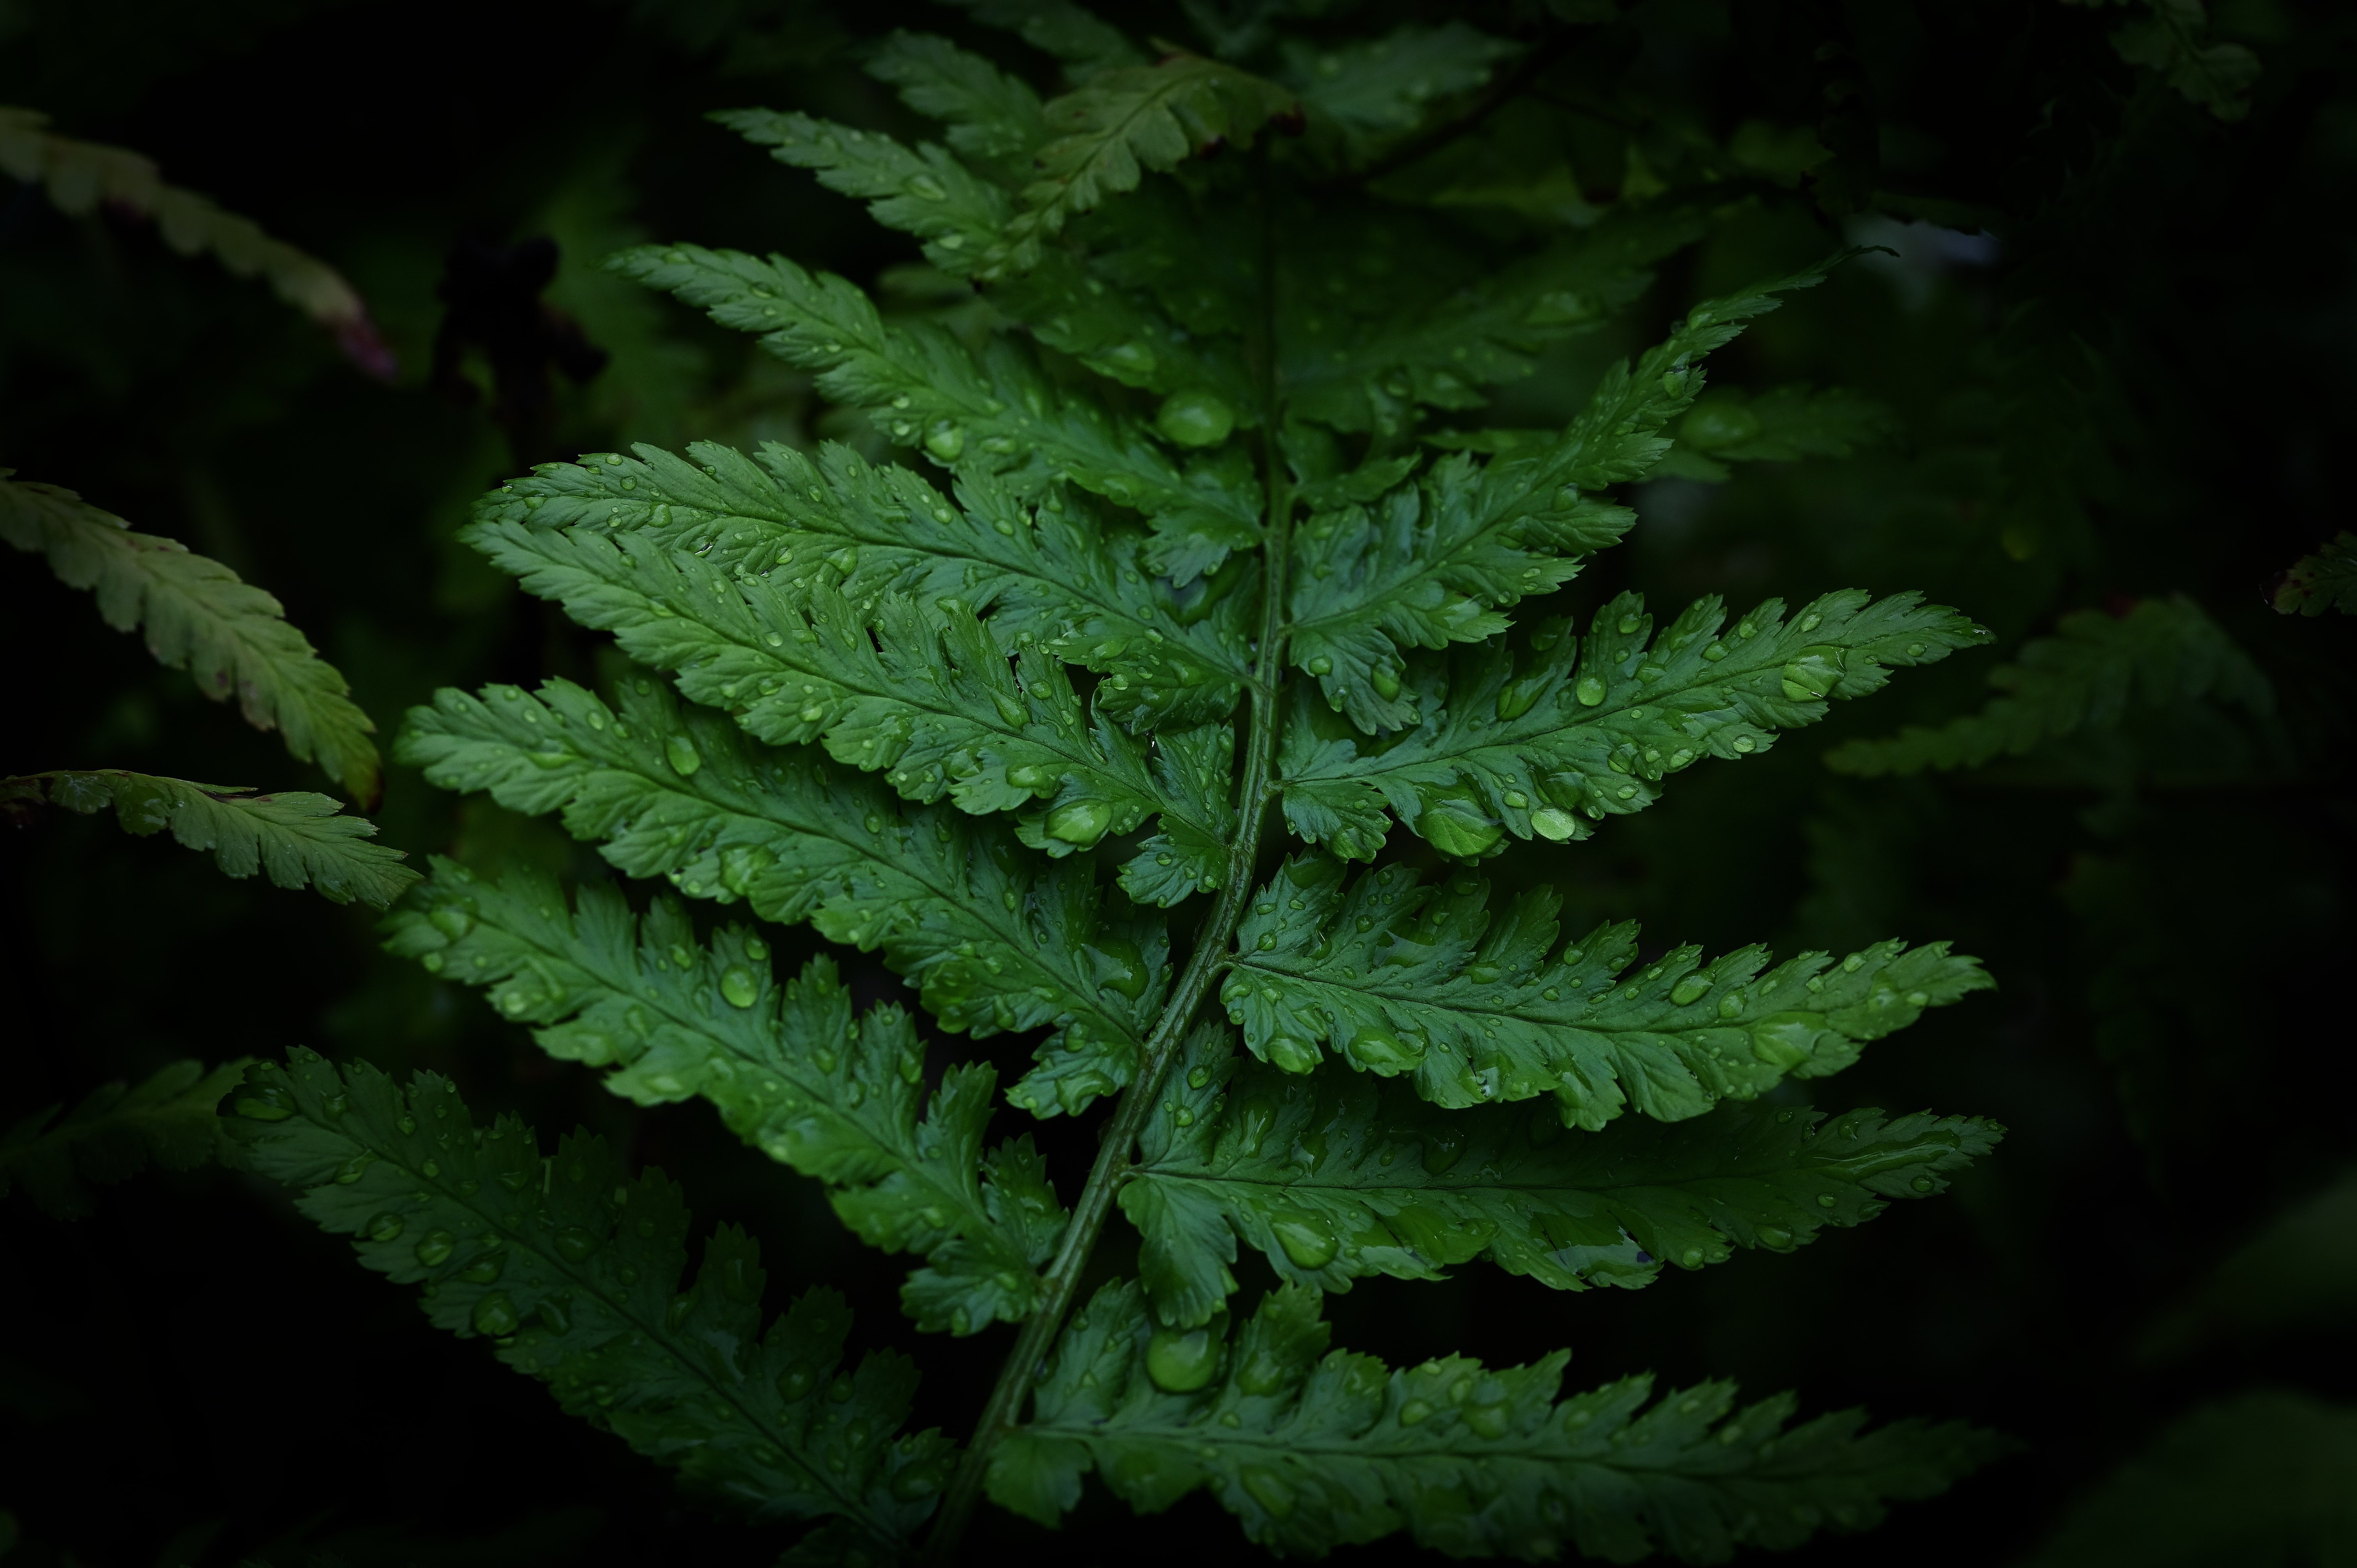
{"points": [[1812, 673], [1456, 822], [386, 1227], [485, 1269], [264, 1103], [1122, 967], [434, 1249], [1195, 419], [1308, 1240], [1080, 822], [1590, 691], [918, 1482], [1443, 1147], [945, 441], [1268, 1488], [681, 753], [1287, 1053], [1385, 679], [738, 986], [1181, 1360], [1549, 822], [1693, 988], [495, 1315], [575, 1244], [1786, 1040], [1381, 1053]]}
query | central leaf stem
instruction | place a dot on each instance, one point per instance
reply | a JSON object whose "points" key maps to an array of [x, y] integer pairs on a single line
{"points": [[1062, 1283]]}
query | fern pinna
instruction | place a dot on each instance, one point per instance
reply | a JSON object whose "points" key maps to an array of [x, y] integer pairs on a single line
{"points": [[1163, 701]]}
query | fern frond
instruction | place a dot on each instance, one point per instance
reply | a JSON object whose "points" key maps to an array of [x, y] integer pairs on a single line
{"points": [[917, 692], [1122, 122], [229, 636], [993, 940], [1312, 1449], [2173, 41], [1046, 575], [78, 176], [2324, 581], [2162, 653], [297, 838], [1059, 28], [114, 1134], [991, 115], [1592, 725], [1376, 350], [999, 415], [1478, 1007], [1433, 562], [1332, 1178], [572, 1269], [787, 1067], [1782, 425], [1372, 92], [923, 191]]}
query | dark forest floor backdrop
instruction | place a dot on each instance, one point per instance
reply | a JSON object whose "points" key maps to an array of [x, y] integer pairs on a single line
{"points": [[2107, 375]]}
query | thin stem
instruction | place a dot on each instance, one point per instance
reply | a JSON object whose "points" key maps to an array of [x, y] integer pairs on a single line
{"points": [[1062, 1283]]}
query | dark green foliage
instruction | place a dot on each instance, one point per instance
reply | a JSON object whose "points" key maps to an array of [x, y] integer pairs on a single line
{"points": [[297, 838], [231, 637], [1312, 1449], [1590, 726], [2326, 580], [1423, 980], [1250, 426], [2163, 653], [787, 1066], [992, 942], [114, 1134], [574, 1272], [1335, 1178]]}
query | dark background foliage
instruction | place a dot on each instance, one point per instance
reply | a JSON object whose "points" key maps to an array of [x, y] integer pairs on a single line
{"points": [[2121, 371]]}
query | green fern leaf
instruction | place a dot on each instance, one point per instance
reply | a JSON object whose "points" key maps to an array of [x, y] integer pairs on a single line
{"points": [[991, 115], [572, 1269], [1122, 122], [993, 940], [297, 839], [925, 697], [999, 414], [1332, 1178], [114, 1134], [1061, 28], [2161, 653], [1374, 91], [2324, 581], [1433, 562], [1047, 575], [79, 176], [1311, 1450], [926, 192], [787, 1066], [1781, 425], [1379, 348], [1592, 725], [231, 637], [2173, 41], [1422, 981]]}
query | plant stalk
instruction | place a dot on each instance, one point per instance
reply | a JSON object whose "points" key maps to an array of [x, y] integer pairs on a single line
{"points": [[1062, 1283]]}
